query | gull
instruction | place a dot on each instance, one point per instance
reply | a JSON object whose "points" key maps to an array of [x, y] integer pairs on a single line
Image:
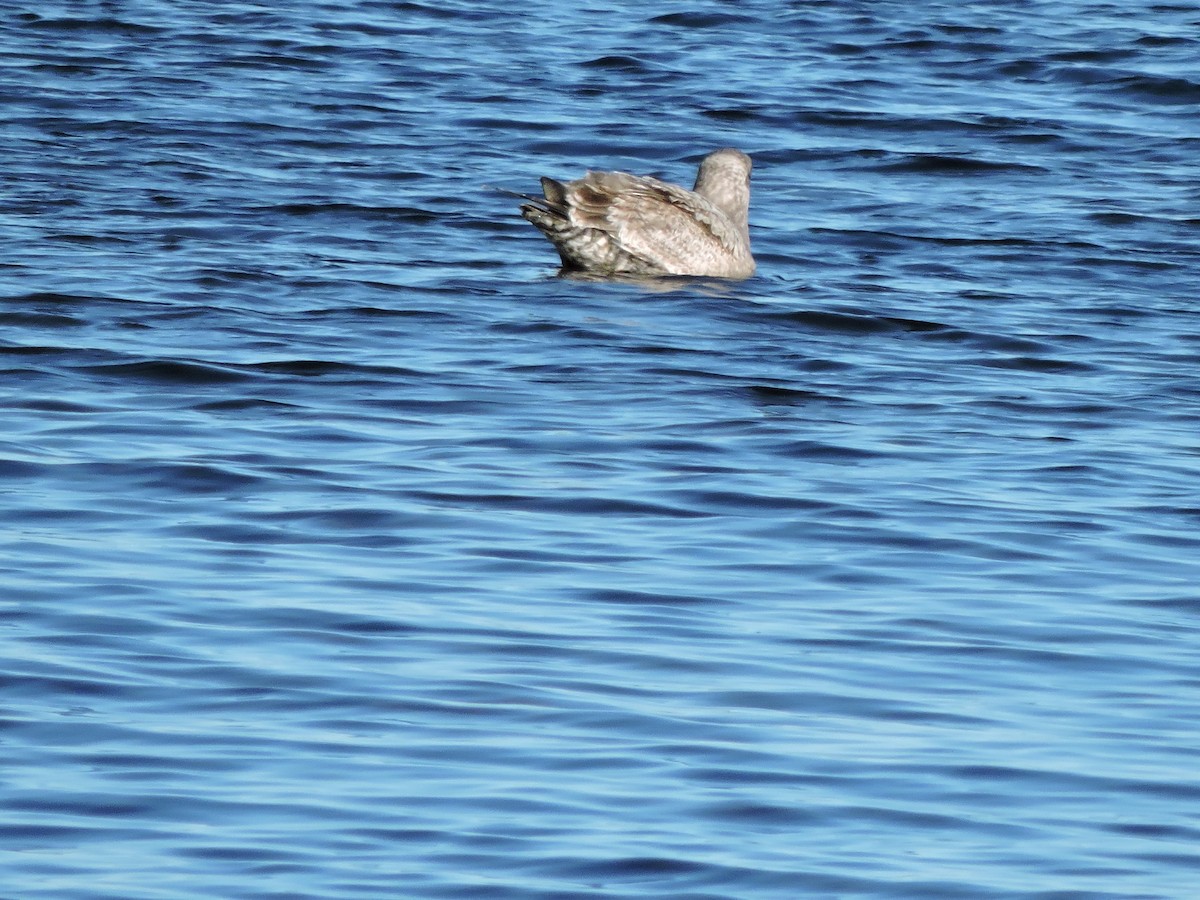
{"points": [[614, 223]]}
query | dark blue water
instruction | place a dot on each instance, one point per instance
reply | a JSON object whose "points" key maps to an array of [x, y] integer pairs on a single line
{"points": [[345, 552]]}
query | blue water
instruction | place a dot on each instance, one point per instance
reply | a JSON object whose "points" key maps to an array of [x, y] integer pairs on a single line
{"points": [[347, 552]]}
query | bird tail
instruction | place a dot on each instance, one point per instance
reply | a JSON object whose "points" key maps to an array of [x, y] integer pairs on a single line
{"points": [[553, 201]]}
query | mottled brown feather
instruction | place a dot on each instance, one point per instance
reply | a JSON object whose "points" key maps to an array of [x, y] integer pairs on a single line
{"points": [[614, 223]]}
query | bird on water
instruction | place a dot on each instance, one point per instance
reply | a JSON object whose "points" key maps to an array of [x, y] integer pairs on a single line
{"points": [[617, 224]]}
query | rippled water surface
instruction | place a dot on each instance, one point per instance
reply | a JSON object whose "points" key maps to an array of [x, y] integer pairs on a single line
{"points": [[347, 552]]}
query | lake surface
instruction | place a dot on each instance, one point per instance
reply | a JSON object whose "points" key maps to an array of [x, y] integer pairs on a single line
{"points": [[347, 552]]}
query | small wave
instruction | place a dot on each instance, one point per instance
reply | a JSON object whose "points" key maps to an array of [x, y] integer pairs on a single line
{"points": [[939, 164], [323, 368], [1164, 40], [848, 323], [732, 114], [411, 215], [628, 64], [700, 20], [102, 25], [643, 598], [39, 320], [18, 468], [575, 505], [243, 404], [258, 61], [1103, 55], [194, 478], [1039, 364], [168, 372], [777, 395], [1159, 89], [88, 239]]}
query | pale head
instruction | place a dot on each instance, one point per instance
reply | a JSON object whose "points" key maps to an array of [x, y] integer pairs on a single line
{"points": [[724, 179]]}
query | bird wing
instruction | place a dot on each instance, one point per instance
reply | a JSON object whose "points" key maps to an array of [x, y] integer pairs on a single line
{"points": [[653, 220]]}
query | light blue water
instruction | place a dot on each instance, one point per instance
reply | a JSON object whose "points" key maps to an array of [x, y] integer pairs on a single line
{"points": [[346, 552]]}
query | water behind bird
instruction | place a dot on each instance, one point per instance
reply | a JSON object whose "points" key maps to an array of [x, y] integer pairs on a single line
{"points": [[348, 552]]}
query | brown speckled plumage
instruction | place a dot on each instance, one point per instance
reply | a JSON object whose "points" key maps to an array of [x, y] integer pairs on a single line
{"points": [[614, 223]]}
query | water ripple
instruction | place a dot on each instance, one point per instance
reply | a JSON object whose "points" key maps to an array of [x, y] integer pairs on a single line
{"points": [[347, 551]]}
